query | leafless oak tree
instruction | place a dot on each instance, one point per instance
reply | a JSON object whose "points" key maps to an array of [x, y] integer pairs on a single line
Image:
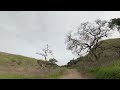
{"points": [[87, 37], [45, 52]]}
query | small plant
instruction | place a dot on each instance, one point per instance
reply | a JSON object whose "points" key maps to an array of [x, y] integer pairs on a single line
{"points": [[53, 61], [19, 63], [38, 62], [13, 60]]}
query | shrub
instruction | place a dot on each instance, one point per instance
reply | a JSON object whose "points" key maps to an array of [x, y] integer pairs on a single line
{"points": [[19, 63], [53, 61], [13, 60]]}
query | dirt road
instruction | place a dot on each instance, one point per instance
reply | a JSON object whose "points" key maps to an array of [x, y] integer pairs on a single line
{"points": [[72, 74]]}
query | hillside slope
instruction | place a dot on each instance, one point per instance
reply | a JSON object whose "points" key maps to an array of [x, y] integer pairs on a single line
{"points": [[109, 53], [20, 67], [108, 56]]}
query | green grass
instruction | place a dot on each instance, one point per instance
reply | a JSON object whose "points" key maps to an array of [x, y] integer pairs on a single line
{"points": [[107, 72], [6, 59], [54, 74], [19, 76], [11, 76], [108, 64], [11, 64], [57, 73]]}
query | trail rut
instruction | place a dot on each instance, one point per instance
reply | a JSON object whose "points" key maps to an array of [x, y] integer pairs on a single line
{"points": [[72, 74]]}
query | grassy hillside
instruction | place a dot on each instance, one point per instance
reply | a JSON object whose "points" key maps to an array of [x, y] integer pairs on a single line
{"points": [[21, 67], [107, 72], [107, 64], [11, 59]]}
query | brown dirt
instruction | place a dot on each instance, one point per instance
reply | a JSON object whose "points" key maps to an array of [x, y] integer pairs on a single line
{"points": [[72, 74]]}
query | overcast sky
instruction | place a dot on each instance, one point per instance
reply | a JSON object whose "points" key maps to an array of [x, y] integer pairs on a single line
{"points": [[26, 32]]}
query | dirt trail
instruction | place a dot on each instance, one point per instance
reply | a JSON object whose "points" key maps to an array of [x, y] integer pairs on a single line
{"points": [[72, 74]]}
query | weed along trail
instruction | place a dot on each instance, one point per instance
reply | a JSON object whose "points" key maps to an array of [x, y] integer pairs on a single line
{"points": [[72, 74]]}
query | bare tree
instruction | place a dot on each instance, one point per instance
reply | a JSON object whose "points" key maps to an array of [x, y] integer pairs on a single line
{"points": [[45, 52], [87, 37]]}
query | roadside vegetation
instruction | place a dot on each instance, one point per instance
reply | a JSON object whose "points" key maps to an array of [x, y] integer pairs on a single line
{"points": [[21, 67]]}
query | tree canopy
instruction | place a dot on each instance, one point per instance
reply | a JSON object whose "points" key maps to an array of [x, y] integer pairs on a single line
{"points": [[87, 36]]}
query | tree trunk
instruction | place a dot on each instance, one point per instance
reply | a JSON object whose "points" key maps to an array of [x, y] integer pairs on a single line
{"points": [[94, 54], [45, 58]]}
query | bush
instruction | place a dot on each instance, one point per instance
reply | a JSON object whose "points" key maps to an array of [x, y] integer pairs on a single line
{"points": [[53, 61], [13, 60], [19, 63], [38, 62]]}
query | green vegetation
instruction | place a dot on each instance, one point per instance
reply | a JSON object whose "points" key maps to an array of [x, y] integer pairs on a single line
{"points": [[53, 74], [53, 60], [6, 59], [108, 64], [107, 72], [21, 67], [57, 73]]}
